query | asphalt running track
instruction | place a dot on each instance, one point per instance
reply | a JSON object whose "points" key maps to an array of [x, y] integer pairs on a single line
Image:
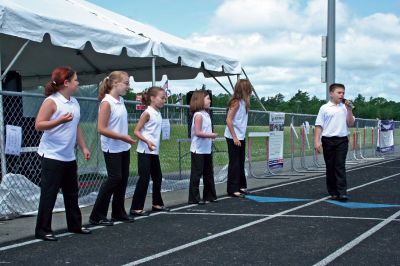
{"points": [[287, 224]]}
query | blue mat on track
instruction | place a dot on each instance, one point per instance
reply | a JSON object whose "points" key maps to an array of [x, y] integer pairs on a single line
{"points": [[348, 204], [273, 199], [361, 205]]}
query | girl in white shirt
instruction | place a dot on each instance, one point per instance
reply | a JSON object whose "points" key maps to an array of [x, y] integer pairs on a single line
{"points": [[235, 134], [148, 130], [200, 148], [112, 125], [58, 118]]}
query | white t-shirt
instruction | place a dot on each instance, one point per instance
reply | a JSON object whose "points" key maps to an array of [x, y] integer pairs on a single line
{"points": [[59, 142], [239, 122], [151, 131], [118, 122], [332, 118], [201, 145]]}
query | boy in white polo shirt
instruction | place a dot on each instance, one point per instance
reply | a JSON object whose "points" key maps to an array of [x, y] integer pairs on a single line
{"points": [[333, 120]]}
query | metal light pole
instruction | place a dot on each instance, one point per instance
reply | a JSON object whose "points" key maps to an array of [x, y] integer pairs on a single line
{"points": [[330, 62]]}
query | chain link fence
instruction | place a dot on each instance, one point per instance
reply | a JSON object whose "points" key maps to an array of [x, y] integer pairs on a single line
{"points": [[20, 183]]}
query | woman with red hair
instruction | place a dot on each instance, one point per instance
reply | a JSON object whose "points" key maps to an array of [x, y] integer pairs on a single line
{"points": [[58, 118]]}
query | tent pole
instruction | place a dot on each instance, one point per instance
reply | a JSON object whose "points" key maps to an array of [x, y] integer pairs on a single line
{"points": [[14, 59], [153, 71], [230, 81], [255, 93], [218, 81], [2, 142]]}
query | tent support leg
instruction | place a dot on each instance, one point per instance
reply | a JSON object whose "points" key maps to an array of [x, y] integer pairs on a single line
{"points": [[255, 93], [218, 81], [153, 71], [14, 60], [230, 81], [2, 142]]}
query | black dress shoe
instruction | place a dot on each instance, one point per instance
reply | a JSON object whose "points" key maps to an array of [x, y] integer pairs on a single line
{"points": [[104, 222], [139, 213], [160, 209], [343, 198], [47, 237], [237, 195], [83, 231], [124, 219], [244, 191], [334, 197], [201, 202]]}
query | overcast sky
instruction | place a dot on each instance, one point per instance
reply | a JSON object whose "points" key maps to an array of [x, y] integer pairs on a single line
{"points": [[279, 41]]}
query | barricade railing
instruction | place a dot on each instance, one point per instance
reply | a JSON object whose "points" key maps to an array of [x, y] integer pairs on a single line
{"points": [[293, 145], [182, 154], [304, 140], [268, 173]]}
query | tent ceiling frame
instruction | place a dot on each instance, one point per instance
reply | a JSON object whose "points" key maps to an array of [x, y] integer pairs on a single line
{"points": [[90, 63], [217, 81], [230, 81]]}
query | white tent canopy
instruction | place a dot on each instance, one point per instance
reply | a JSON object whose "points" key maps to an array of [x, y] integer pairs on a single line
{"points": [[36, 36]]}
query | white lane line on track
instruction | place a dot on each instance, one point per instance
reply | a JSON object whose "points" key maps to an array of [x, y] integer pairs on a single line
{"points": [[229, 231], [285, 216], [192, 205], [357, 240]]}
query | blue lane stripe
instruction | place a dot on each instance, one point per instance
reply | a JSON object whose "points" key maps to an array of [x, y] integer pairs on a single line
{"points": [[273, 199], [361, 205], [348, 204]]}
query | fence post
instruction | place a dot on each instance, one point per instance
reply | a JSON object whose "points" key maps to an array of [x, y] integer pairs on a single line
{"points": [[2, 138]]}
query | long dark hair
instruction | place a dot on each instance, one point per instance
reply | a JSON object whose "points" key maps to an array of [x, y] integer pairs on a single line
{"points": [[242, 91]]}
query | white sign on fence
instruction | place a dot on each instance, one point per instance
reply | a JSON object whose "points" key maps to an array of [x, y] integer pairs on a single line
{"points": [[165, 129], [275, 154], [13, 140]]}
